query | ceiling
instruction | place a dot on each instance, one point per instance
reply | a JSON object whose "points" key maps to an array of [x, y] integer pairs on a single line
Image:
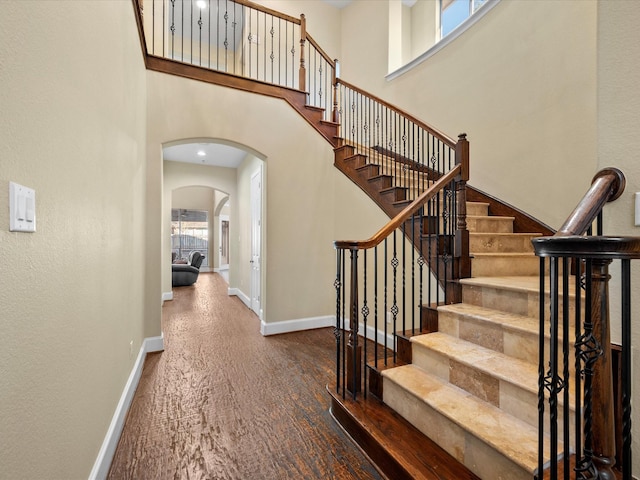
{"points": [[215, 154]]}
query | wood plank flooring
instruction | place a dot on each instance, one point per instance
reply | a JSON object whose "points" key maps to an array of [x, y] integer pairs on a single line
{"points": [[224, 402]]}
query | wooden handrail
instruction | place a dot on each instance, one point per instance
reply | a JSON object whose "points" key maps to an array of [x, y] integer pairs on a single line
{"points": [[264, 9], [404, 215], [607, 185], [435, 132], [324, 54]]}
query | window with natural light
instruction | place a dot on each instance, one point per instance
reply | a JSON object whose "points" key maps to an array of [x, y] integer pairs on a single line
{"points": [[454, 12]]}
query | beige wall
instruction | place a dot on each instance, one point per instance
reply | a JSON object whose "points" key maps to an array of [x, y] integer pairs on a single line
{"points": [[72, 128], [178, 176], [618, 145], [303, 189], [528, 107]]}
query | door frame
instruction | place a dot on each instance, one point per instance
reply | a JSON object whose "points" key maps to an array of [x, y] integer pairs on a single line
{"points": [[221, 266], [256, 262]]}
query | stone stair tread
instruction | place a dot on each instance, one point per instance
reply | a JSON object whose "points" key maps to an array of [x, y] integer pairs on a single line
{"points": [[527, 283], [497, 364], [503, 254], [512, 437], [491, 217], [506, 234]]}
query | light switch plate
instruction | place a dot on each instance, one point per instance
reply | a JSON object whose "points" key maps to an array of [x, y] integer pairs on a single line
{"points": [[22, 208]]}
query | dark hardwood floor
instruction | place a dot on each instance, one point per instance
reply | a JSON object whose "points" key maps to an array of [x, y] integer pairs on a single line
{"points": [[224, 402]]}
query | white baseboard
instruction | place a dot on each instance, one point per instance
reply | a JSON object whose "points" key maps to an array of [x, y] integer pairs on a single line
{"points": [[236, 292], [166, 296], [297, 325], [379, 336], [102, 464]]}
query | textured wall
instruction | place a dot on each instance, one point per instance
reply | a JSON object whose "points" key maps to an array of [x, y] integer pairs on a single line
{"points": [[520, 82], [304, 191], [618, 145], [71, 295]]}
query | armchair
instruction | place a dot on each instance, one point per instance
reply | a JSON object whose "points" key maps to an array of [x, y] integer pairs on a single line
{"points": [[186, 274]]}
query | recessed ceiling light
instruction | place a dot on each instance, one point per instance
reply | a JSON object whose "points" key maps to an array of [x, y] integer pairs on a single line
{"points": [[202, 153], [201, 4]]}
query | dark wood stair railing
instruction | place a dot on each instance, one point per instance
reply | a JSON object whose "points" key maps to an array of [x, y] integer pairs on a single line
{"points": [[594, 437], [243, 45], [439, 205]]}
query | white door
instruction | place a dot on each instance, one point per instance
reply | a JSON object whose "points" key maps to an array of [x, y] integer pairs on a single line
{"points": [[256, 225], [223, 249]]}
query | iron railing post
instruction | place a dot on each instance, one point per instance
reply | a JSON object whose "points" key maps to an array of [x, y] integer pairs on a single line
{"points": [[604, 447], [334, 82]]}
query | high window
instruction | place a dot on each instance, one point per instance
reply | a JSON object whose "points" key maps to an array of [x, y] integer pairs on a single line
{"points": [[454, 12]]}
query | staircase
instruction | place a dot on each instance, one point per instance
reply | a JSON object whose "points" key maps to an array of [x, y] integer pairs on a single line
{"points": [[471, 386]]}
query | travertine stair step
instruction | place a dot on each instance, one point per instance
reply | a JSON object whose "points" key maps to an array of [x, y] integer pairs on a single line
{"points": [[483, 242], [488, 441], [509, 333], [488, 374], [504, 264], [516, 294], [505, 382], [490, 224]]}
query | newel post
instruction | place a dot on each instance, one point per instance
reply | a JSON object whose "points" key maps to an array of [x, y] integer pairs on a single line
{"points": [[462, 234], [603, 447], [354, 351], [334, 81], [302, 85]]}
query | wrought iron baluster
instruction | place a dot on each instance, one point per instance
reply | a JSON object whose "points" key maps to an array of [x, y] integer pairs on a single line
{"points": [[541, 371], [386, 296], [272, 56], [565, 362], [626, 369], [338, 328], [365, 315], [394, 307], [588, 350], [172, 28], [375, 306]]}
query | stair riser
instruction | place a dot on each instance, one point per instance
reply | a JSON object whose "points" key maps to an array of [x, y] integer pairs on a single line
{"points": [[500, 243], [477, 209], [520, 344], [380, 183], [489, 224], [476, 455], [497, 266]]}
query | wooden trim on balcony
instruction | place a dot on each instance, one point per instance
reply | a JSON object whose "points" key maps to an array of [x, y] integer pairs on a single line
{"points": [[296, 98]]}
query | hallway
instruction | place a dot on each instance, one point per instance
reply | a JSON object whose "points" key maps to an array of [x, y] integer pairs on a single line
{"points": [[224, 402]]}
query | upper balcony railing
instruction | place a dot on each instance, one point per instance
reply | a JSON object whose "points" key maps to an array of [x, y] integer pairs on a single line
{"points": [[243, 39]]}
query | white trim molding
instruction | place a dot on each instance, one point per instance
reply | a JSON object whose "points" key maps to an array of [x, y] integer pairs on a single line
{"points": [[371, 334], [102, 464], [236, 292], [166, 296], [297, 325]]}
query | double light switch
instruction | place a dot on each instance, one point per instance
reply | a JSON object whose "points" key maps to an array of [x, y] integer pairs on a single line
{"points": [[22, 206]]}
